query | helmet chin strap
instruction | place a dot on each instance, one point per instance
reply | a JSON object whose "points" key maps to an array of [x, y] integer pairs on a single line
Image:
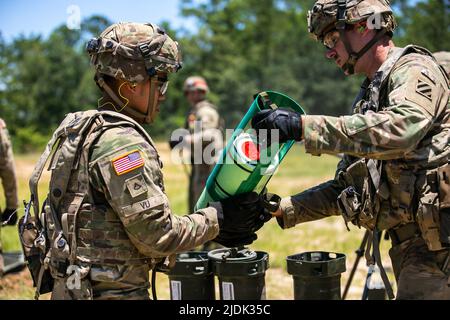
{"points": [[135, 114], [353, 57], [151, 107]]}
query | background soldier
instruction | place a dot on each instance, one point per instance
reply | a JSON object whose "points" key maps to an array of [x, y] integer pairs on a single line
{"points": [[8, 177], [109, 219], [395, 173], [443, 57], [204, 125]]}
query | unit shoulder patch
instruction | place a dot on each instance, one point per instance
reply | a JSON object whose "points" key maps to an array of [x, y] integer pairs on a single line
{"points": [[424, 89], [128, 162]]}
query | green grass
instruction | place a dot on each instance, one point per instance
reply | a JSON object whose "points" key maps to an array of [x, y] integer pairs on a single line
{"points": [[298, 172]]}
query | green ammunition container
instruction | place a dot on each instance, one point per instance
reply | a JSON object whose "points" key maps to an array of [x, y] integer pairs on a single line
{"points": [[192, 278], [317, 275], [241, 273]]}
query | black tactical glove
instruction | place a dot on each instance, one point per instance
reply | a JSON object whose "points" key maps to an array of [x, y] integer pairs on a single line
{"points": [[9, 217], [289, 124], [230, 240], [240, 217], [174, 143]]}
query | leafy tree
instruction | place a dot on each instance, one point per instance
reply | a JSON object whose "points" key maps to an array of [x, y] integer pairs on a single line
{"points": [[241, 47], [426, 24], [244, 47], [44, 79]]}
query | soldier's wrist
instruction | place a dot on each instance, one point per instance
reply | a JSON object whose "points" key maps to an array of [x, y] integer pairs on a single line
{"points": [[219, 211]]}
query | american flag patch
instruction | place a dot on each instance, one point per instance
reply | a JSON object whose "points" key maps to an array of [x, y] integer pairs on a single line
{"points": [[128, 162]]}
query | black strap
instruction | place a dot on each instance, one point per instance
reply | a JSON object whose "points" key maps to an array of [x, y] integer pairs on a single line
{"points": [[153, 283], [377, 256], [355, 56], [374, 168], [377, 37], [341, 13]]}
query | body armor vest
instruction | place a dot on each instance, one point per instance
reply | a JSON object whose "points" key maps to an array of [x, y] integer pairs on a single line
{"points": [[73, 229], [382, 193]]}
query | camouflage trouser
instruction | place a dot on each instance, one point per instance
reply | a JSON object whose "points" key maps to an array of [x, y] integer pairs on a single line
{"points": [[418, 271], [197, 182], [108, 283]]}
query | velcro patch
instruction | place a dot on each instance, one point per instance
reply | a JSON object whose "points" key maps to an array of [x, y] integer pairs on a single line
{"points": [[144, 205], [424, 89], [128, 162], [136, 185]]}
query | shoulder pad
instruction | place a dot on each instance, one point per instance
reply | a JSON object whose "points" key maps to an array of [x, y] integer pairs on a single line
{"points": [[113, 138], [416, 57], [419, 80]]}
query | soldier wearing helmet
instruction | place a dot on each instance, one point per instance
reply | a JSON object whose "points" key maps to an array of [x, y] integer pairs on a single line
{"points": [[394, 175], [204, 126], [9, 182], [107, 220], [443, 57]]}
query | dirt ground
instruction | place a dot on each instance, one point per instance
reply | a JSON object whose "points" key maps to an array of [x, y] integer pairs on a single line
{"points": [[17, 286]]}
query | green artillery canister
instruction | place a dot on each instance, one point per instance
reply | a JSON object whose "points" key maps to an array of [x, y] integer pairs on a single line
{"points": [[317, 275], [241, 273], [241, 161], [192, 278], [245, 165]]}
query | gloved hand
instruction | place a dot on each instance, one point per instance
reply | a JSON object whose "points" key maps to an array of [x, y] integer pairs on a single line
{"points": [[174, 143], [230, 240], [9, 217], [240, 217], [289, 124]]}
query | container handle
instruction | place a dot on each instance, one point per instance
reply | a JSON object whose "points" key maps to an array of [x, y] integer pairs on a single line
{"points": [[198, 271]]}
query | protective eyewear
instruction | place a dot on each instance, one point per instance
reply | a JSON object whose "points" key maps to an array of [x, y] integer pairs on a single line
{"points": [[163, 84], [330, 39]]}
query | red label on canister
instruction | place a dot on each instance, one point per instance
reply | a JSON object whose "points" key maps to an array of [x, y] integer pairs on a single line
{"points": [[250, 150]]}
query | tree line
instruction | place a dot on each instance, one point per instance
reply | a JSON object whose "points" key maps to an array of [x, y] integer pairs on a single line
{"points": [[240, 46]]}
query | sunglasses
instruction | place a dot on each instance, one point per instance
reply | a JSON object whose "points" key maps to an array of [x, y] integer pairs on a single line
{"points": [[330, 39]]}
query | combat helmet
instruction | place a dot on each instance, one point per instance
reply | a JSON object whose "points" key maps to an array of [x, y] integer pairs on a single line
{"points": [[195, 83], [134, 52], [335, 15]]}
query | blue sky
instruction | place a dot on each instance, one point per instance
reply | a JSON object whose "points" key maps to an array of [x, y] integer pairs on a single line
{"points": [[42, 16]]}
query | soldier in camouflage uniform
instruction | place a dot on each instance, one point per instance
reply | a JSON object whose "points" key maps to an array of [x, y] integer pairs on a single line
{"points": [[108, 219], [8, 177], [443, 57], [395, 173], [204, 126]]}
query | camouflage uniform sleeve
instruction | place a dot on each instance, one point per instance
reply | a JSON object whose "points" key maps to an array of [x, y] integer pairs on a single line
{"points": [[313, 204], [416, 92], [7, 169], [139, 200]]}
